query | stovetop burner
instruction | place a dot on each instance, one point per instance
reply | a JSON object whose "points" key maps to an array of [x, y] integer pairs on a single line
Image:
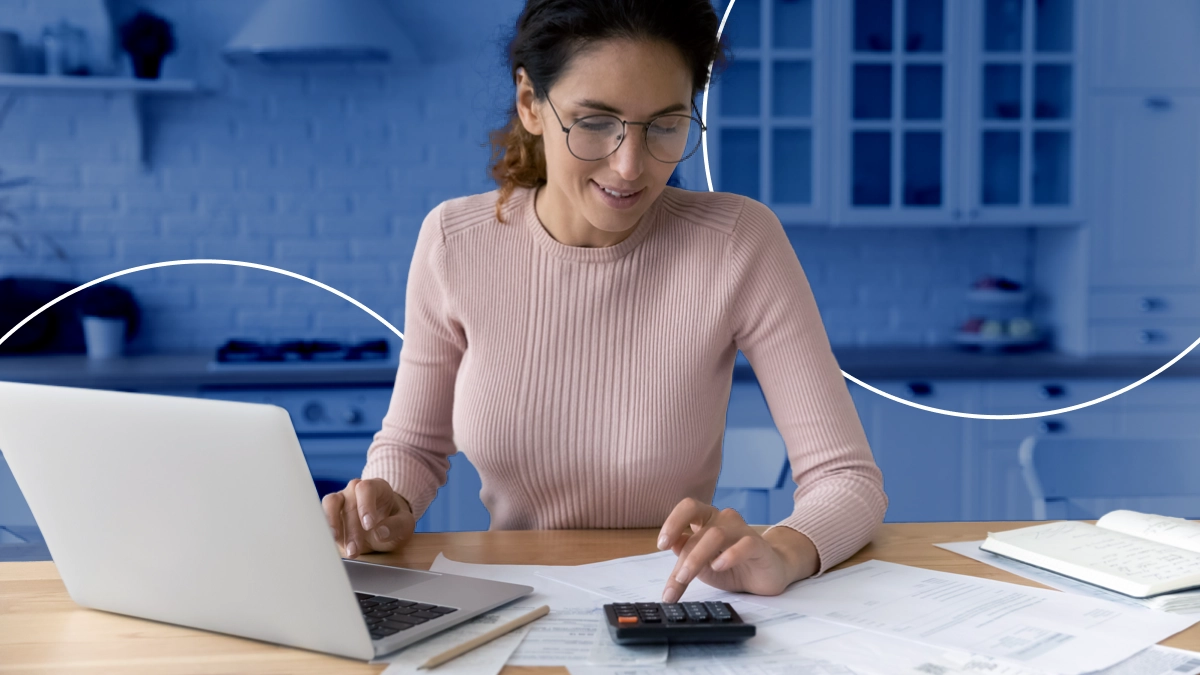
{"points": [[297, 351]]}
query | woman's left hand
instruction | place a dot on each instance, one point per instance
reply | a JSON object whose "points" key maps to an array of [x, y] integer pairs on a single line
{"points": [[720, 549]]}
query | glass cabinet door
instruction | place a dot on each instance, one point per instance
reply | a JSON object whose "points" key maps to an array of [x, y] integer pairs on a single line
{"points": [[895, 147], [765, 122], [1023, 140]]}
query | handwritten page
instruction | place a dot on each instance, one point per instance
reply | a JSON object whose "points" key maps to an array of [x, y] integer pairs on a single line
{"points": [[1187, 602], [1039, 628], [1110, 557], [1178, 532]]}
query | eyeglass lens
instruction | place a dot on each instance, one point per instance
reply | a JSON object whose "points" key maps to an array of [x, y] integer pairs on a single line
{"points": [[670, 138]]}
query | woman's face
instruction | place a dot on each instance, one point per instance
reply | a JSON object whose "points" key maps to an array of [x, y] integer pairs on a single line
{"points": [[633, 80]]}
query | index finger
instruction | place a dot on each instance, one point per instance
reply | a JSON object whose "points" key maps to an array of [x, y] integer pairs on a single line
{"points": [[685, 514]]}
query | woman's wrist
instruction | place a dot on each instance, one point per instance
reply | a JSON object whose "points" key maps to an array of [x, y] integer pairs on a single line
{"points": [[797, 551]]}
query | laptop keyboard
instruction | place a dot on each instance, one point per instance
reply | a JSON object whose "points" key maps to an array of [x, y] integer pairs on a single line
{"points": [[387, 616]]}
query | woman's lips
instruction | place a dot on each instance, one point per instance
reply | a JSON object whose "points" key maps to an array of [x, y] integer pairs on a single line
{"points": [[618, 202]]}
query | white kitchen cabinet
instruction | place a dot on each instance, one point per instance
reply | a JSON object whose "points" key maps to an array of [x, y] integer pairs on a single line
{"points": [[1145, 43], [768, 114], [1146, 221], [923, 456], [956, 112]]}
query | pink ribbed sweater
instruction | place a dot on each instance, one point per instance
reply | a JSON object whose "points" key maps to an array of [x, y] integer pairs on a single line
{"points": [[589, 386]]}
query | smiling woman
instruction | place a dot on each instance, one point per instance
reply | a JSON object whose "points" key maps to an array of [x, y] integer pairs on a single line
{"points": [[574, 331]]}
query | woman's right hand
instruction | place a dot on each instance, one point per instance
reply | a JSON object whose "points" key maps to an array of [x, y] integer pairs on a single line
{"points": [[368, 516]]}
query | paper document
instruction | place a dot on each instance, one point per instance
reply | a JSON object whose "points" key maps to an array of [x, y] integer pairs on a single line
{"points": [[568, 635], [1185, 602], [1042, 629]]}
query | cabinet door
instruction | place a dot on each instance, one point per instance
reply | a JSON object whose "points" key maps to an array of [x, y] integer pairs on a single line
{"points": [[922, 454], [1021, 146], [897, 61], [1144, 44], [1146, 225], [767, 123]]}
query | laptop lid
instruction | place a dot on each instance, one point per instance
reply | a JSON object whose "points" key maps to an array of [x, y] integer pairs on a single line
{"points": [[189, 511]]}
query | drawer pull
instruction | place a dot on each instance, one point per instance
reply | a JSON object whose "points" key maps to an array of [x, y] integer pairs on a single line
{"points": [[920, 388], [1053, 391], [1149, 336], [1151, 304], [1052, 426], [1158, 102]]}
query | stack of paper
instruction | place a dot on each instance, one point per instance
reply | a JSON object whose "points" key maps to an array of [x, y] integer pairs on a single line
{"points": [[874, 619]]}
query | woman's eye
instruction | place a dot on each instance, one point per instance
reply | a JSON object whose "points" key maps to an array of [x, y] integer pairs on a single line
{"points": [[592, 125]]}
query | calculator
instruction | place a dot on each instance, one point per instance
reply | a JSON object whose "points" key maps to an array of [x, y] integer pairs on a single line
{"points": [[631, 623]]}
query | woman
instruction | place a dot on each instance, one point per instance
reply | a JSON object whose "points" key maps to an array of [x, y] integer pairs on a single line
{"points": [[574, 331]]}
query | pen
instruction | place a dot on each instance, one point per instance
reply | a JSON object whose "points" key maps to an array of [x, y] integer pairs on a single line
{"points": [[492, 634]]}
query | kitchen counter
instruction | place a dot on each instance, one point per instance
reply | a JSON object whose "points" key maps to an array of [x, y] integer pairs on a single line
{"points": [[191, 371]]}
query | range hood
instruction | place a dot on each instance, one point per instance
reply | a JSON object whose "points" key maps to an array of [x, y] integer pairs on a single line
{"points": [[320, 31]]}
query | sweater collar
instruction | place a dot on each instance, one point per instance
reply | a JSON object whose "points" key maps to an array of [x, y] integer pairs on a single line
{"points": [[531, 221]]}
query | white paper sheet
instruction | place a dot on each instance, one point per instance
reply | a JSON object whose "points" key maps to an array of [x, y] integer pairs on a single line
{"points": [[970, 549], [634, 579], [1039, 628], [486, 659], [568, 635]]}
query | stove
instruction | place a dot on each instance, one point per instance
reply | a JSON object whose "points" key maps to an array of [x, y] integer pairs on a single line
{"points": [[241, 354]]}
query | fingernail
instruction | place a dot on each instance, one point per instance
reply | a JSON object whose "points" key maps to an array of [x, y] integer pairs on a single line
{"points": [[662, 542], [669, 595], [382, 532], [367, 521], [718, 564], [351, 550], [682, 575]]}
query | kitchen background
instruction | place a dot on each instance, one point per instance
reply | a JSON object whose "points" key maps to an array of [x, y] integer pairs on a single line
{"points": [[994, 200]]}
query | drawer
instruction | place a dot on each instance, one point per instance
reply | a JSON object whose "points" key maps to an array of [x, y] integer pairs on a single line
{"points": [[1145, 337], [1081, 424], [1143, 303], [1160, 424], [1164, 393], [1018, 396]]}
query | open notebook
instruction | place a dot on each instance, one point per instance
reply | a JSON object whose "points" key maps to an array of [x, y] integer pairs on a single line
{"points": [[1137, 554]]}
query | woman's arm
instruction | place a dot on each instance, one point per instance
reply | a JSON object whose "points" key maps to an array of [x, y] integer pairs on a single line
{"points": [[411, 451], [839, 499]]}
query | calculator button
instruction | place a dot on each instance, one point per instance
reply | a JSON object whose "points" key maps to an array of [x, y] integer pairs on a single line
{"points": [[627, 619]]}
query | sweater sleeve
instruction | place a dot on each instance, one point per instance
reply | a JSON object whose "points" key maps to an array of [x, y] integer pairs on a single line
{"points": [[411, 451], [839, 498]]}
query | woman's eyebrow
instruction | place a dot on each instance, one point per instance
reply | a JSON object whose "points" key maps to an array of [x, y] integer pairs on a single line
{"points": [[600, 105]]}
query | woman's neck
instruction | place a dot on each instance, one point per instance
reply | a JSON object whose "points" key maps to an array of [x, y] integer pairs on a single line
{"points": [[569, 227]]}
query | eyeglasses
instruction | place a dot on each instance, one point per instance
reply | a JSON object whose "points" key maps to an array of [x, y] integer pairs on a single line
{"points": [[670, 138]]}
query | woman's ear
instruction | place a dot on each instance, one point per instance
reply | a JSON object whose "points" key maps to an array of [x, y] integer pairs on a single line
{"points": [[527, 107]]}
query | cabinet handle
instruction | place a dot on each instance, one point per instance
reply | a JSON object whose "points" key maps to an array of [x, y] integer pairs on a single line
{"points": [[1053, 391], [1158, 102], [1151, 304], [1149, 336], [1052, 426], [920, 388]]}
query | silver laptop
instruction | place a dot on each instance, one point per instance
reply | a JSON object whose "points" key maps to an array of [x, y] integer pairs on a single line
{"points": [[202, 513]]}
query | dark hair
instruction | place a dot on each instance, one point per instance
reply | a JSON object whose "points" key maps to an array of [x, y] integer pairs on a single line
{"points": [[549, 33]]}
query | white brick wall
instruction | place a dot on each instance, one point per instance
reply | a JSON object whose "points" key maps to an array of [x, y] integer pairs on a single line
{"points": [[328, 171]]}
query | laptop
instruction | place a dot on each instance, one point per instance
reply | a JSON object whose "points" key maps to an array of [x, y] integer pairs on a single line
{"points": [[203, 513]]}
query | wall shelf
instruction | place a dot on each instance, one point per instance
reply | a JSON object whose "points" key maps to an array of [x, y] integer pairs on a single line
{"points": [[127, 90]]}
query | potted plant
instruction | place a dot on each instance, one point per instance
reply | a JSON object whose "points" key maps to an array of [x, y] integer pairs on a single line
{"points": [[148, 38], [107, 312]]}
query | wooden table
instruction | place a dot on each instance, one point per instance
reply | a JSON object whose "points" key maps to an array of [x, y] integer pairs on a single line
{"points": [[42, 630]]}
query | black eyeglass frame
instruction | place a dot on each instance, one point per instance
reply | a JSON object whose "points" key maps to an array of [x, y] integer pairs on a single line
{"points": [[625, 132]]}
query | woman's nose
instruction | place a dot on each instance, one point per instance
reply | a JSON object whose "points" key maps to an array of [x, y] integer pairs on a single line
{"points": [[630, 158]]}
